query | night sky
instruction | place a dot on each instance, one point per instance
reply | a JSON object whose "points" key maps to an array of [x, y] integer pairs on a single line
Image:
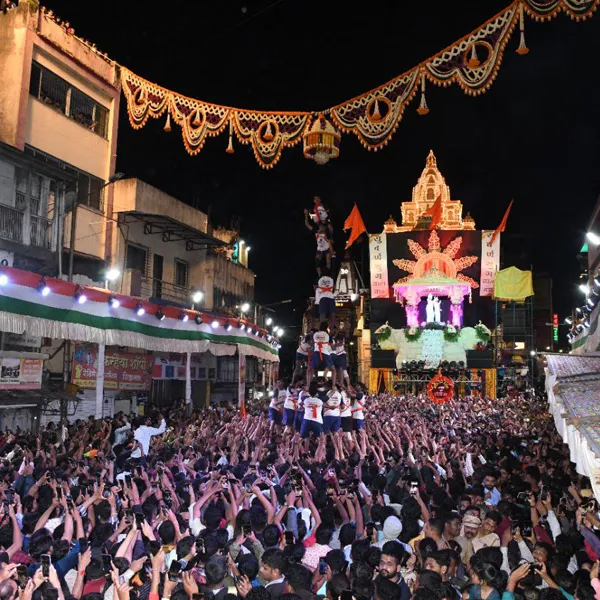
{"points": [[533, 137]]}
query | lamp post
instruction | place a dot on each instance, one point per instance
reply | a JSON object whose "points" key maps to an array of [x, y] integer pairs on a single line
{"points": [[259, 307], [111, 179]]}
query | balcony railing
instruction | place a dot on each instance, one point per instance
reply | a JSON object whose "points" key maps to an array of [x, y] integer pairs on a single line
{"points": [[40, 231], [11, 223], [157, 288]]}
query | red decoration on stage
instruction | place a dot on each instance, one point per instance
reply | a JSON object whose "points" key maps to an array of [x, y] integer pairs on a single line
{"points": [[440, 389]]}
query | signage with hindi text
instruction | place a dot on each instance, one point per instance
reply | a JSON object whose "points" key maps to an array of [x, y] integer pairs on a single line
{"points": [[490, 262], [122, 370], [21, 373], [379, 271]]}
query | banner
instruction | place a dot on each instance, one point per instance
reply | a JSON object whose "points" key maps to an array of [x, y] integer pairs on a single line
{"points": [[490, 263], [379, 273], [21, 373], [122, 370], [242, 379]]}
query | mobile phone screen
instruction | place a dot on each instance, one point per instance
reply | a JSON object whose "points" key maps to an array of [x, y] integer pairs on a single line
{"points": [[45, 560]]}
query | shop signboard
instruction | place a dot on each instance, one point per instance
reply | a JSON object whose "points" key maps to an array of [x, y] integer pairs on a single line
{"points": [[122, 370], [21, 373]]}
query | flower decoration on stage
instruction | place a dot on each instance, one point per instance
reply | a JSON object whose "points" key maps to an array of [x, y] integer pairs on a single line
{"points": [[413, 334], [321, 141], [434, 260], [483, 333], [472, 63], [384, 332], [440, 389], [451, 333]]}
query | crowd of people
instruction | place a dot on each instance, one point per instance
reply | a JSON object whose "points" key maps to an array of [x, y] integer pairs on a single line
{"points": [[474, 499]]}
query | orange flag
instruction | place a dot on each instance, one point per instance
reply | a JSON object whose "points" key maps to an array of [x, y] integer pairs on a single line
{"points": [[354, 222], [435, 212], [502, 225], [243, 409]]}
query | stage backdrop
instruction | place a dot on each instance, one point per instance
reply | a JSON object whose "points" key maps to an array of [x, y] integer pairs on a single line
{"points": [[386, 248]]}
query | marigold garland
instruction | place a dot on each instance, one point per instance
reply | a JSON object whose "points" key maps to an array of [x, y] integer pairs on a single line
{"points": [[471, 62]]}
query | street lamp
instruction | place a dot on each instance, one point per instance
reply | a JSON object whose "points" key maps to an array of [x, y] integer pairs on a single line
{"points": [[245, 307], [593, 237], [111, 274], [197, 297], [269, 322]]}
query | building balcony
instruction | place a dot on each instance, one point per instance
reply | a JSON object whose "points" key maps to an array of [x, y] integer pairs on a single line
{"points": [[23, 228], [156, 290]]}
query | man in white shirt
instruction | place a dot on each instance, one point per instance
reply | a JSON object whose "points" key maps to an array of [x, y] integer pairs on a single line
{"points": [[144, 433], [340, 360], [324, 297], [302, 393], [304, 347], [276, 404], [346, 413], [321, 354], [358, 408], [289, 407], [313, 414], [331, 411]]}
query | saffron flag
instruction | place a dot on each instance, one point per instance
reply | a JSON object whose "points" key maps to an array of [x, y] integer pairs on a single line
{"points": [[502, 226], [435, 212], [354, 222]]}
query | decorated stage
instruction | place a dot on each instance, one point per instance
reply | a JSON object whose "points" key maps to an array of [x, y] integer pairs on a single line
{"points": [[432, 343]]}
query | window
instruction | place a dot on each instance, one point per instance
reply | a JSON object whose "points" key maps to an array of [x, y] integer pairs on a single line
{"points": [[72, 102], [181, 273], [136, 258], [227, 369]]}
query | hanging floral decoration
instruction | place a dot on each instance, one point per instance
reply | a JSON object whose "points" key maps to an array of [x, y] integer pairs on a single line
{"points": [[471, 62], [483, 333], [451, 333], [440, 388], [413, 334]]}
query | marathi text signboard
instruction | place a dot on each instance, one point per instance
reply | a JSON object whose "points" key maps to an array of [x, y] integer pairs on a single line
{"points": [[379, 272], [122, 370], [490, 262], [21, 373]]}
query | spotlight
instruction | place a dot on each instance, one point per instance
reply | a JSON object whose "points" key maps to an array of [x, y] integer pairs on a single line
{"points": [[353, 297], [591, 301], [184, 316], [280, 332], [197, 297], [245, 307], [597, 281], [269, 321], [584, 287], [139, 309], [43, 288], [214, 324], [250, 332], [3, 279], [586, 323], [198, 320], [578, 309], [568, 320], [113, 301], [229, 326], [269, 338], [533, 353], [79, 295], [592, 237], [160, 315], [242, 326]]}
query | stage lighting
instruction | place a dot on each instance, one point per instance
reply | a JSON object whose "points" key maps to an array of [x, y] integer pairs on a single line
{"points": [[160, 315], [214, 324], [43, 288], [184, 316], [584, 287], [79, 295], [139, 309], [113, 301], [568, 320], [198, 320], [592, 237]]}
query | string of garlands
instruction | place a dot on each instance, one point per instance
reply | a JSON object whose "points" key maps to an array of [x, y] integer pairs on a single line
{"points": [[471, 62]]}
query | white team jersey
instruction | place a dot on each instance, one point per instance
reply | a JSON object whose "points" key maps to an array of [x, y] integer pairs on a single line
{"points": [[291, 399], [358, 411], [313, 409], [339, 348], [322, 242], [278, 400], [301, 396], [332, 408], [321, 340], [347, 411], [324, 288]]}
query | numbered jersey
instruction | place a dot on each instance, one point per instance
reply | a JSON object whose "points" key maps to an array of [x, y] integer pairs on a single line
{"points": [[313, 409]]}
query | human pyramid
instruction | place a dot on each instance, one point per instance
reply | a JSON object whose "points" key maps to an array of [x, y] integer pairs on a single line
{"points": [[314, 404]]}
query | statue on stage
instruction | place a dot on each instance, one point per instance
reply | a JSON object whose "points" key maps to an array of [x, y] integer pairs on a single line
{"points": [[437, 308], [429, 310]]}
